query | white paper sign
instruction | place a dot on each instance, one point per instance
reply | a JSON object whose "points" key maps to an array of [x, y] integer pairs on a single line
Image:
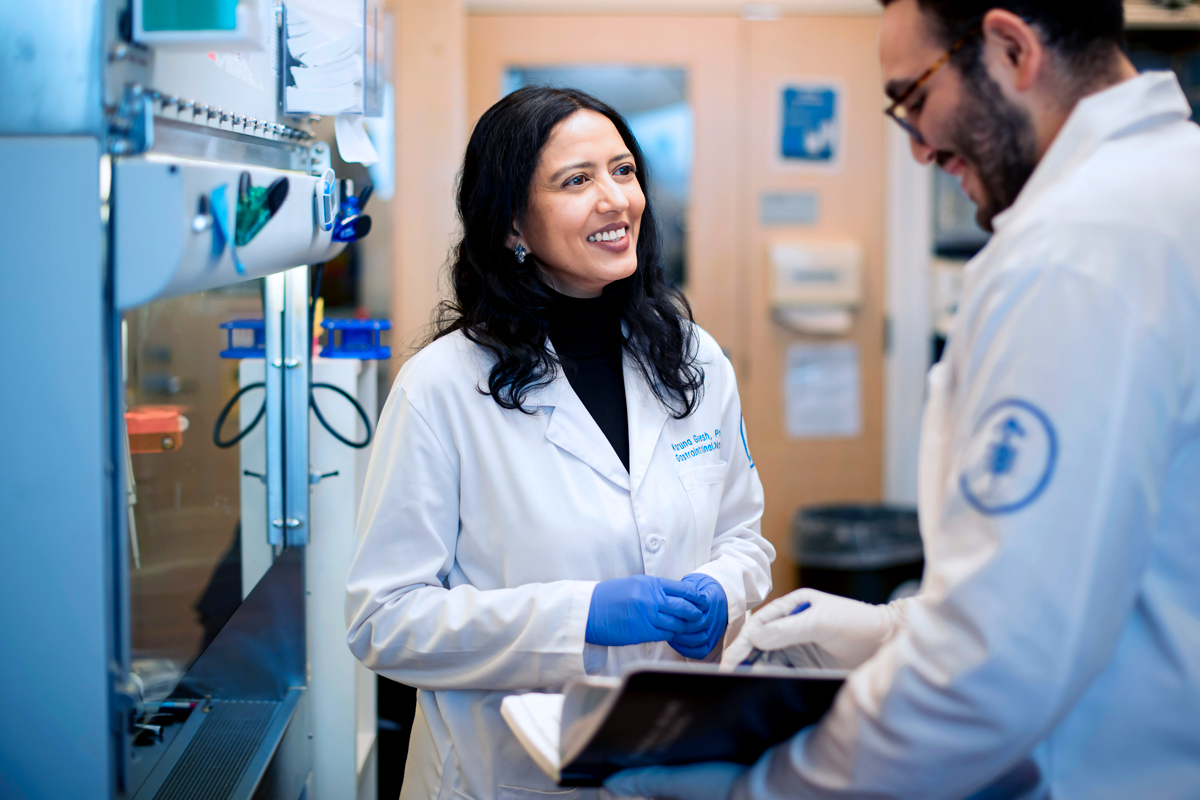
{"points": [[822, 391]]}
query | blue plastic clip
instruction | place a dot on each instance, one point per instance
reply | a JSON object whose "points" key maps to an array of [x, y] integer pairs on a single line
{"points": [[220, 215], [256, 350], [221, 234], [352, 224], [356, 338]]}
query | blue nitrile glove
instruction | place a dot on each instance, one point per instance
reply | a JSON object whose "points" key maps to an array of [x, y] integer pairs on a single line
{"points": [[711, 781], [640, 608], [699, 638]]}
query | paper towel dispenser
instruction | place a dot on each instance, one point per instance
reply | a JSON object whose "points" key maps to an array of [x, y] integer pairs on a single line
{"points": [[816, 286]]}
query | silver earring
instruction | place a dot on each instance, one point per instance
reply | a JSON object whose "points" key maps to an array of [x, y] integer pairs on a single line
{"points": [[520, 252]]}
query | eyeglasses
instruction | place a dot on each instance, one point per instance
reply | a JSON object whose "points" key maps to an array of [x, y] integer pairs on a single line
{"points": [[899, 112]]}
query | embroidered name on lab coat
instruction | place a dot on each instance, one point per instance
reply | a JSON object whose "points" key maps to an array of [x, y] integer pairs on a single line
{"points": [[697, 444]]}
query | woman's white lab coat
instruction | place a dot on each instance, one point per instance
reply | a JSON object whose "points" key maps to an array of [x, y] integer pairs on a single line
{"points": [[483, 532]]}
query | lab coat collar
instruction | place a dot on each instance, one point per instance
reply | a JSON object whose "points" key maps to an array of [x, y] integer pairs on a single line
{"points": [[646, 415], [573, 429], [1147, 101]]}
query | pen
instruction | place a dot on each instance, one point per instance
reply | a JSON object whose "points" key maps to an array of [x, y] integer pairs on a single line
{"points": [[756, 654]]}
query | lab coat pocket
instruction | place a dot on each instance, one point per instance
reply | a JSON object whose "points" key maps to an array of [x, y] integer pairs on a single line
{"points": [[704, 487], [517, 793]]}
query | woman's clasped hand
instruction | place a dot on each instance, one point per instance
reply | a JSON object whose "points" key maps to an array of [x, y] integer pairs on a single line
{"points": [[698, 639], [689, 614]]}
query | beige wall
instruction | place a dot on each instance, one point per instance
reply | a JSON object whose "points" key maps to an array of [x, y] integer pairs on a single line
{"points": [[797, 473], [431, 134], [730, 8], [736, 69]]}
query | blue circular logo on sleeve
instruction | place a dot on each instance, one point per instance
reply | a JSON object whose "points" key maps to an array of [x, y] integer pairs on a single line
{"points": [[745, 446], [1010, 459]]}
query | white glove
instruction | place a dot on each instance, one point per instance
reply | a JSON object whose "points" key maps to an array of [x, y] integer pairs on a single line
{"points": [[712, 781], [833, 631]]}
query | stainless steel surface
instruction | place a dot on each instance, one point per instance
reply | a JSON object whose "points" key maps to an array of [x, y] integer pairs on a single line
{"points": [[259, 654], [216, 760], [273, 316], [186, 140], [131, 126], [377, 58], [51, 67], [239, 78], [227, 750], [181, 109], [148, 777], [64, 472], [158, 251], [297, 344], [58, 494], [256, 773], [322, 159], [291, 766], [192, 551]]}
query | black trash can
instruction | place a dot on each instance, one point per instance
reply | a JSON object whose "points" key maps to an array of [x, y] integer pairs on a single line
{"points": [[865, 552]]}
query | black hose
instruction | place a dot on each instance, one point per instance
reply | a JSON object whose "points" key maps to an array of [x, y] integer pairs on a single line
{"points": [[362, 412], [229, 407], [312, 400]]}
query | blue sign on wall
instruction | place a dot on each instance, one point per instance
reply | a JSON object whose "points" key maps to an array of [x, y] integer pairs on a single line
{"points": [[811, 129]]}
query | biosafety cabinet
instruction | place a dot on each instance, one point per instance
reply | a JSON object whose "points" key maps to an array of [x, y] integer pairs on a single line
{"points": [[181, 466]]}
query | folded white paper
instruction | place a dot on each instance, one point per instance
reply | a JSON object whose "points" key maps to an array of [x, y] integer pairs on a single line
{"points": [[327, 101], [326, 62], [536, 720], [352, 140]]}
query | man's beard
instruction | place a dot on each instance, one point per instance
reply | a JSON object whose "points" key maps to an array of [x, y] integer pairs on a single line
{"points": [[997, 139]]}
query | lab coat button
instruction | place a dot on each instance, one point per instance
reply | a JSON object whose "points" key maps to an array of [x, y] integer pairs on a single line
{"points": [[654, 544]]}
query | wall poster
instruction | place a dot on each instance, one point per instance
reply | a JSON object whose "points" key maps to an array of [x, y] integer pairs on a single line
{"points": [[810, 124], [822, 391]]}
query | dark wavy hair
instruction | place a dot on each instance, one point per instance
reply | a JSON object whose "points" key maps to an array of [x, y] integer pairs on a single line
{"points": [[502, 305], [1086, 32]]}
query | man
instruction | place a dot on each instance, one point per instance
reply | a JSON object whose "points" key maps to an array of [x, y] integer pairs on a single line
{"points": [[1054, 650]]}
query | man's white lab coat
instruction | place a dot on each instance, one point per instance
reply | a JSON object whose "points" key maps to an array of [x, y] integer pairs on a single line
{"points": [[485, 530], [1056, 645]]}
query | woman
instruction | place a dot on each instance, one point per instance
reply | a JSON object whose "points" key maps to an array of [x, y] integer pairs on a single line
{"points": [[560, 484]]}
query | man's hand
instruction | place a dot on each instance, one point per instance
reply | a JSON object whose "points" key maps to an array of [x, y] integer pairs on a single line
{"points": [[846, 630], [712, 781]]}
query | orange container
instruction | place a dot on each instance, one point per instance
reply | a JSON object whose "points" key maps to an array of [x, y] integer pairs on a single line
{"points": [[155, 429]]}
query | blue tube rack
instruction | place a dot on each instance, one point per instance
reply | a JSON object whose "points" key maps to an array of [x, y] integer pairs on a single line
{"points": [[258, 350], [355, 338]]}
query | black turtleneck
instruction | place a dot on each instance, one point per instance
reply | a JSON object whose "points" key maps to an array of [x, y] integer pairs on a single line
{"points": [[586, 334]]}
